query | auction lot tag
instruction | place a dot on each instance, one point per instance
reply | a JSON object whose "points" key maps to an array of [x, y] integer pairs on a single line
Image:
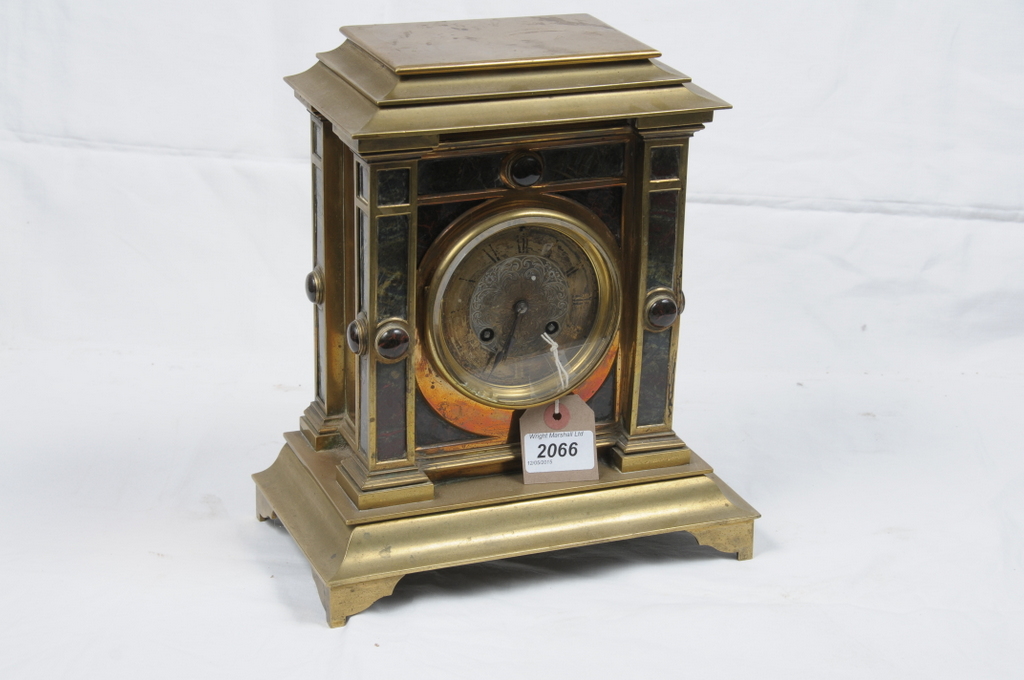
{"points": [[558, 447]]}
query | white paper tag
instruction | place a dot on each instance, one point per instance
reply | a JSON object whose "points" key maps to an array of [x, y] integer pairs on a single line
{"points": [[558, 451], [559, 447]]}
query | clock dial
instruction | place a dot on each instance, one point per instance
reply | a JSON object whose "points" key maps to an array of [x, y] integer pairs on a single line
{"points": [[522, 284]]}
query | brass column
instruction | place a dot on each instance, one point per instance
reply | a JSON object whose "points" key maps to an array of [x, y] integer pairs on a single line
{"points": [[381, 469], [655, 301]]}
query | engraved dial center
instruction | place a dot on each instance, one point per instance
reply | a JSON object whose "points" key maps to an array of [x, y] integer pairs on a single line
{"points": [[541, 293], [510, 289]]}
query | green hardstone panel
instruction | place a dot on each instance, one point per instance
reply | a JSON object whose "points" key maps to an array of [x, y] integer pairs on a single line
{"points": [[661, 238], [392, 267], [654, 377], [391, 391]]}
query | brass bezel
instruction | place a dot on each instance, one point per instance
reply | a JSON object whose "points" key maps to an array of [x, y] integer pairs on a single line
{"points": [[653, 295], [471, 231], [360, 322], [385, 326], [506, 169], [318, 285]]}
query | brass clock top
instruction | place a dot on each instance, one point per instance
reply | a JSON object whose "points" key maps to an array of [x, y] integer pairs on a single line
{"points": [[404, 86], [486, 44]]}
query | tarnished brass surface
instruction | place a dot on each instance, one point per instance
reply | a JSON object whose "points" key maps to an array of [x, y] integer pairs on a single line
{"points": [[378, 553], [456, 493], [419, 125], [394, 493], [652, 460], [479, 44], [649, 451], [368, 128], [386, 88], [562, 70], [482, 419], [343, 600]]}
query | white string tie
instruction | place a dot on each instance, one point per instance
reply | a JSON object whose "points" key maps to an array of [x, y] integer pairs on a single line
{"points": [[563, 375]]}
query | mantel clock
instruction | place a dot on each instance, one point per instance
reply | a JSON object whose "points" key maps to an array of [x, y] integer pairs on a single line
{"points": [[478, 185]]}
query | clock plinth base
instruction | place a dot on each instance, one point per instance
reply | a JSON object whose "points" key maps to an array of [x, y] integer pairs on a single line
{"points": [[398, 494], [357, 556], [649, 452], [321, 432]]}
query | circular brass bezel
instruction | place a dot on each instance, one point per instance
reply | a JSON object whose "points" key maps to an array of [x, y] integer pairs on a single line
{"points": [[389, 325], [653, 296], [506, 169], [317, 277], [359, 323], [473, 231]]}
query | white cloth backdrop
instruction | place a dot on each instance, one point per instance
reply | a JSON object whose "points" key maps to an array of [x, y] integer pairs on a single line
{"points": [[852, 355]]}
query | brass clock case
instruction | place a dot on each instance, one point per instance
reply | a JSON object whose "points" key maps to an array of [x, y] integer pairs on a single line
{"points": [[445, 158], [569, 275]]}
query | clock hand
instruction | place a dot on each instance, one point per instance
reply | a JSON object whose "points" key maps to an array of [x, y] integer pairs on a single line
{"points": [[517, 311]]}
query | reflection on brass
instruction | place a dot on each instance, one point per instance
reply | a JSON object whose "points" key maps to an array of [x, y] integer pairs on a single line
{"points": [[357, 563], [483, 419], [497, 222]]}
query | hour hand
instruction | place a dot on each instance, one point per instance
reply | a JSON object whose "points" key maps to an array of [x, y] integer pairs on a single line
{"points": [[518, 309]]}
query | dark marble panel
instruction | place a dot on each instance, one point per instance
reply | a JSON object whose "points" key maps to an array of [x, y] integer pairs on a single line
{"points": [[393, 266], [393, 187], [583, 162], [431, 220], [391, 411], [603, 401], [665, 162], [606, 203], [654, 377], [463, 173], [432, 429], [661, 238]]}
